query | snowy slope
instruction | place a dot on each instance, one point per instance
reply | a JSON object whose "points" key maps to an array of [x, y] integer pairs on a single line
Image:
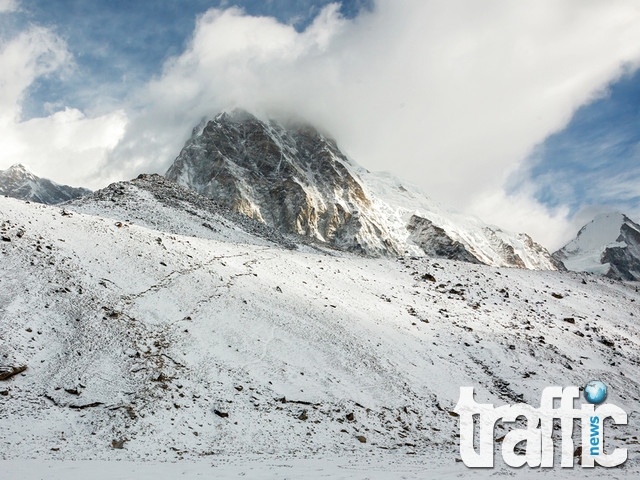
{"points": [[297, 180], [19, 182], [609, 245], [399, 202], [176, 346]]}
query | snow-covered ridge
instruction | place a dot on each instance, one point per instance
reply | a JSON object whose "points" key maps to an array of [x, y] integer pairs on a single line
{"points": [[19, 182], [297, 180], [172, 345]]}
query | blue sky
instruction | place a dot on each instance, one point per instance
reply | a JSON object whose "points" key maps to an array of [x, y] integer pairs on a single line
{"points": [[595, 160], [119, 44], [525, 113]]}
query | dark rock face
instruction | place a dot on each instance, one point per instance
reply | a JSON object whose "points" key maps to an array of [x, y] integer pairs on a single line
{"points": [[624, 261], [18, 182], [294, 179], [435, 242]]}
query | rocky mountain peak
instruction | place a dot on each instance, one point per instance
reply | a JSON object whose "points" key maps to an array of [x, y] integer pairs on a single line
{"points": [[293, 178], [296, 179], [609, 245]]}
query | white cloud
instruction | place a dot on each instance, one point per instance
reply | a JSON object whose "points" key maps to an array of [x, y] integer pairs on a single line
{"points": [[65, 146], [452, 95], [8, 6], [520, 213]]}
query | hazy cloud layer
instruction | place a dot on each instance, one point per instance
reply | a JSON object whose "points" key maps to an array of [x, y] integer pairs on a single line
{"points": [[450, 94], [8, 6], [65, 146]]}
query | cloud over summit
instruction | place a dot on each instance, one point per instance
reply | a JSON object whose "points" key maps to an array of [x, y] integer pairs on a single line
{"points": [[451, 94]]}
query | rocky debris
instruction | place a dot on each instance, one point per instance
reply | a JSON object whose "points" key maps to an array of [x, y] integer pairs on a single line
{"points": [[303, 415], [171, 195], [118, 444], [8, 371], [361, 438], [221, 414]]}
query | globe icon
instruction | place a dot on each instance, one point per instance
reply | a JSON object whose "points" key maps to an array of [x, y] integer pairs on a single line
{"points": [[595, 392]]}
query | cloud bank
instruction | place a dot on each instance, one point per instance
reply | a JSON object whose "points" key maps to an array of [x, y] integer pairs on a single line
{"points": [[8, 6], [451, 94], [66, 146]]}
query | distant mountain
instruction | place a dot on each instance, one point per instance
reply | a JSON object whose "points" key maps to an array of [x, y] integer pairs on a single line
{"points": [[609, 245], [295, 179], [18, 182]]}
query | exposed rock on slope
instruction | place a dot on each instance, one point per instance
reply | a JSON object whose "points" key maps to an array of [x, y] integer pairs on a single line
{"points": [[435, 242], [155, 202], [18, 182]]}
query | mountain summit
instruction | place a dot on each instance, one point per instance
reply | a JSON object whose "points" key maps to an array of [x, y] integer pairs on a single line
{"points": [[19, 182], [296, 179], [609, 245]]}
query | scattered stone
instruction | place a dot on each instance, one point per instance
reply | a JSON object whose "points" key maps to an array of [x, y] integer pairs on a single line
{"points": [[5, 238], [221, 414], [240, 388], [428, 277], [606, 342], [570, 320], [118, 444], [557, 295], [362, 439], [351, 417], [303, 415], [7, 371]]}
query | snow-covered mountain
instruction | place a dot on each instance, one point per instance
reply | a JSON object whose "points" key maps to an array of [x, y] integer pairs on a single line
{"points": [[608, 245], [147, 334], [297, 180], [18, 182]]}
